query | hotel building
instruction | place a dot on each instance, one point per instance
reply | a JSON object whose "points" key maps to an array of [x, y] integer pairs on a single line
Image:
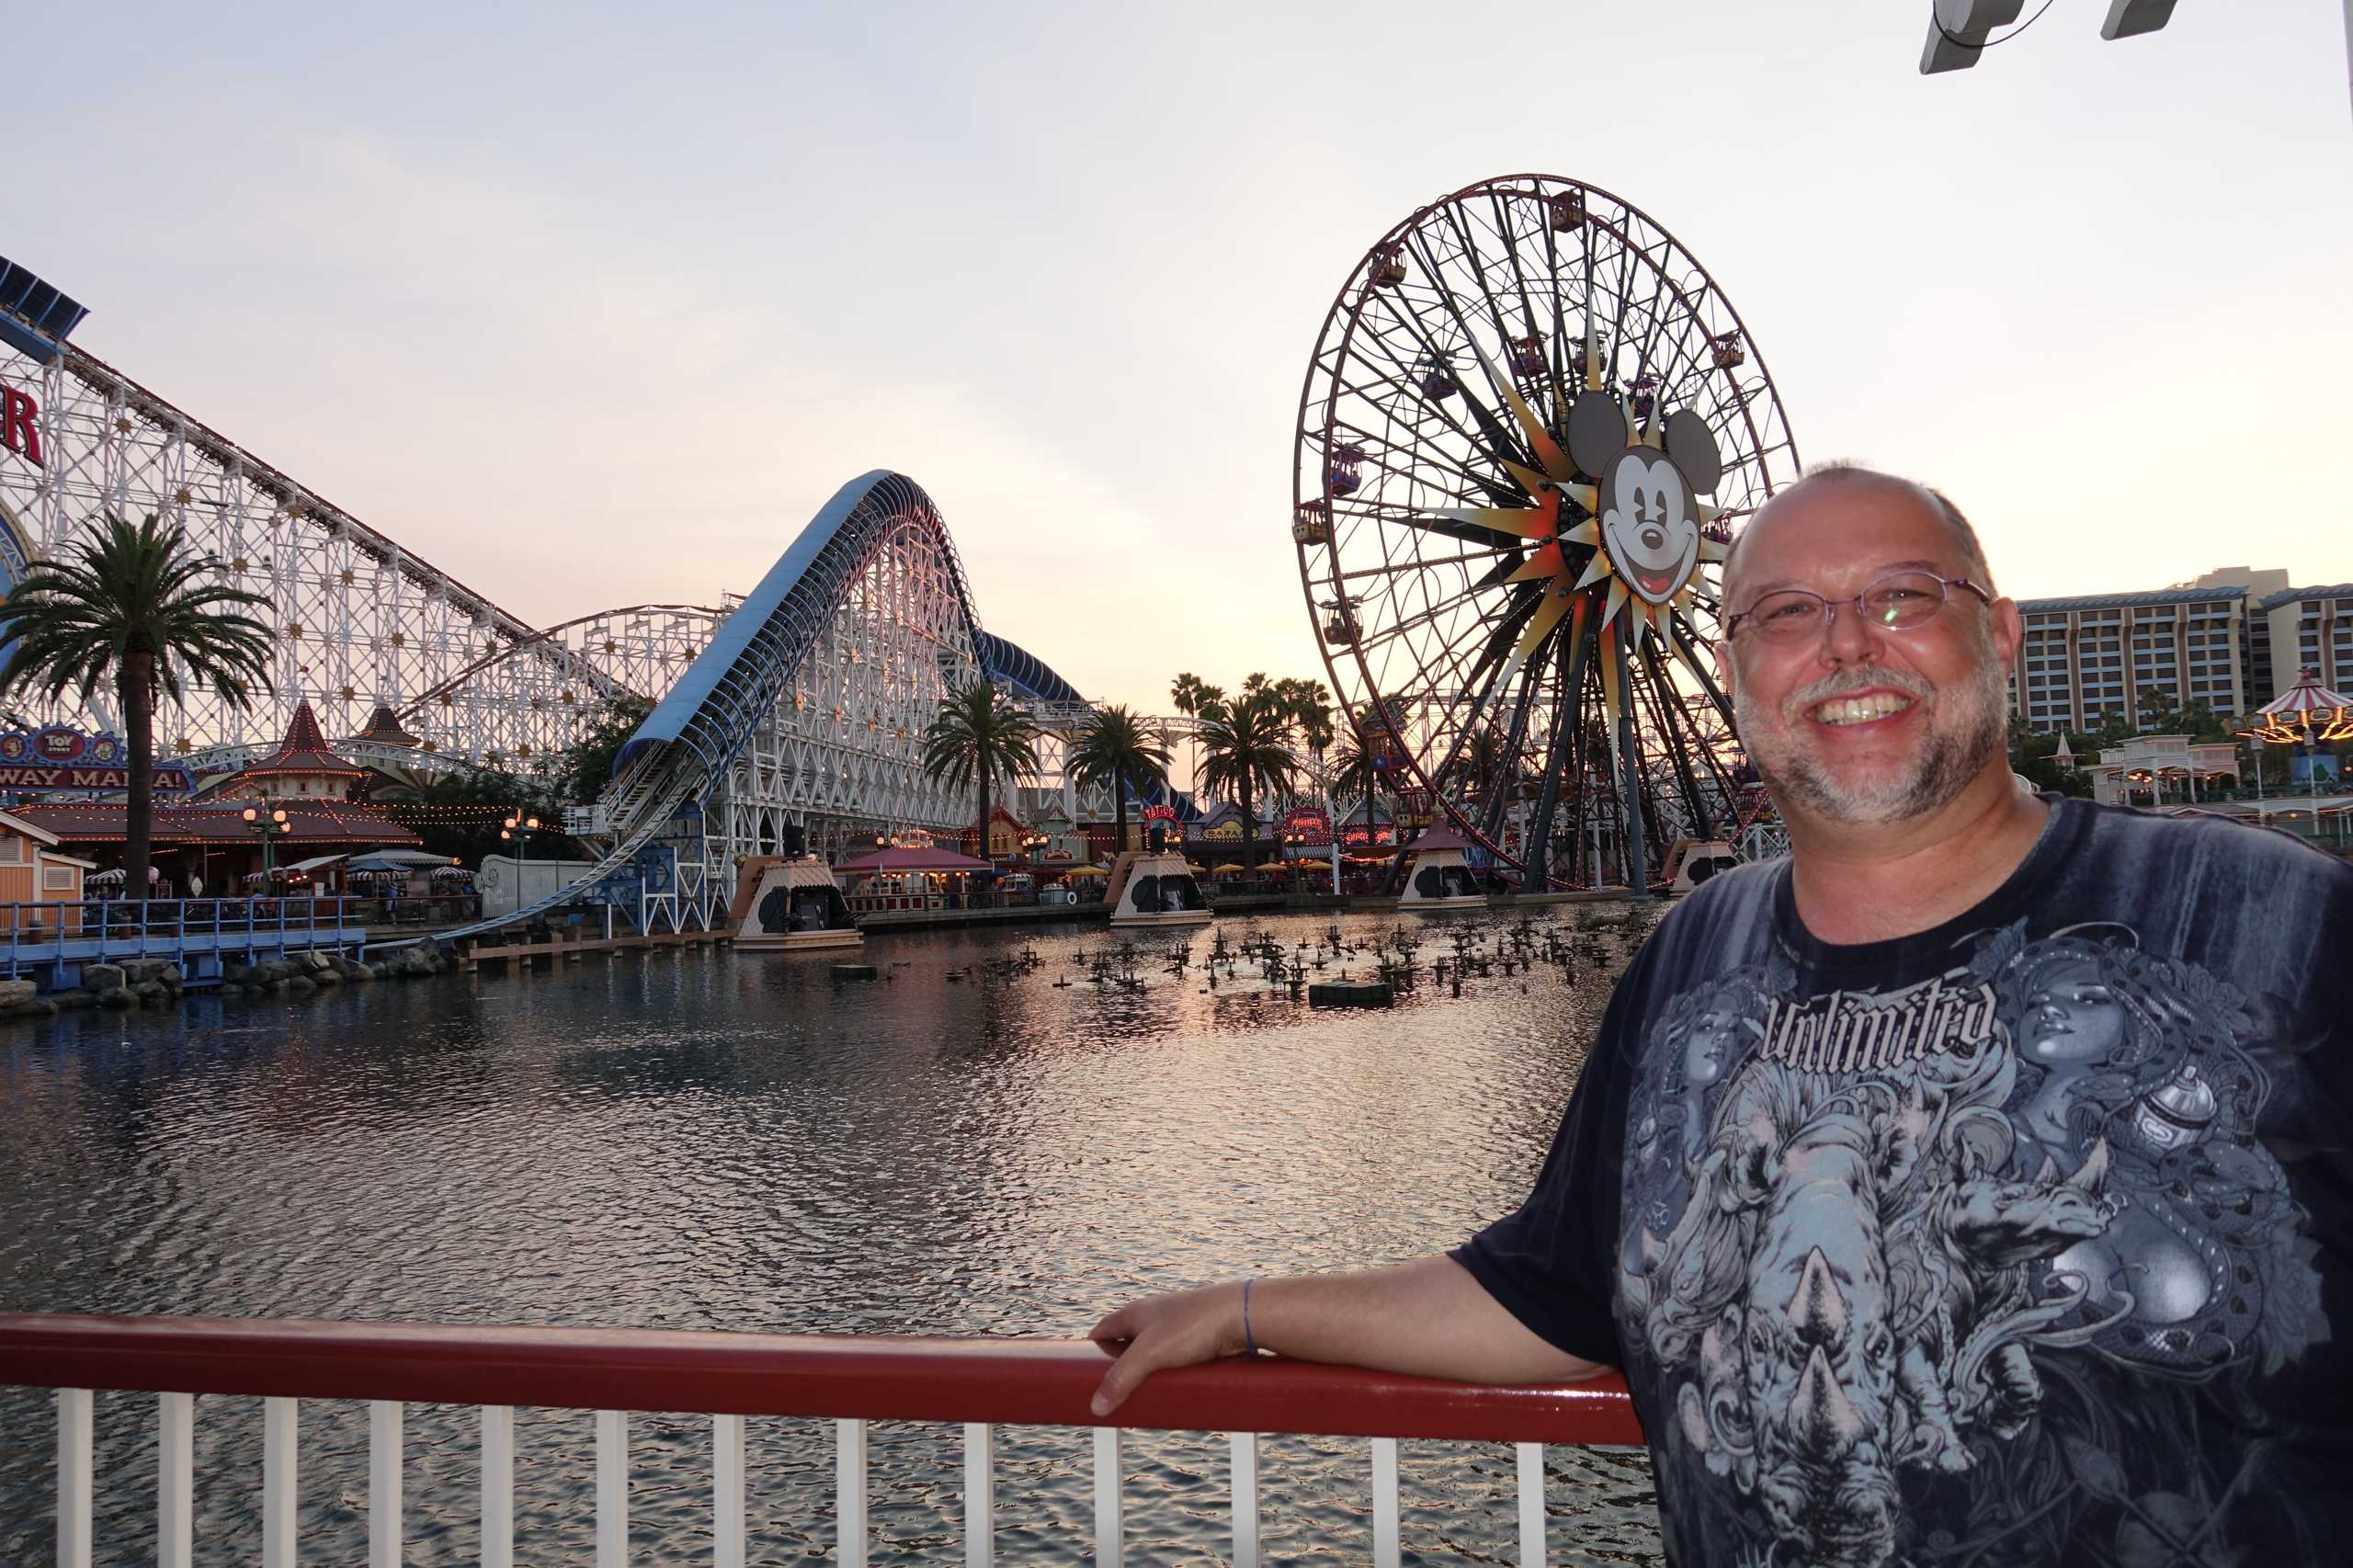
{"points": [[2234, 638]]}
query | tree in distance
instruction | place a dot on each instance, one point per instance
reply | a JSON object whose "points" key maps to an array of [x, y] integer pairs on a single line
{"points": [[1118, 751], [978, 736], [143, 607]]}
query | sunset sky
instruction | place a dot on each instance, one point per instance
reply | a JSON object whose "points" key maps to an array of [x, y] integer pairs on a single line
{"points": [[595, 306]]}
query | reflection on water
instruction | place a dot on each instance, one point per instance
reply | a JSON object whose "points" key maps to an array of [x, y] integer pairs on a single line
{"points": [[713, 1141]]}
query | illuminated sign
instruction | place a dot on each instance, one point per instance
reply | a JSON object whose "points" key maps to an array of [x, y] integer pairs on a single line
{"points": [[1308, 825], [1226, 832], [57, 757]]}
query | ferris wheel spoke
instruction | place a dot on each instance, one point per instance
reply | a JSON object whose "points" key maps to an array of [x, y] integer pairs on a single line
{"points": [[1421, 618], [1392, 568], [1497, 446], [1491, 421], [1527, 295], [1545, 452]]}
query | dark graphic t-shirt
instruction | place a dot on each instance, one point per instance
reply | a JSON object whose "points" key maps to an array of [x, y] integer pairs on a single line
{"points": [[2025, 1240]]}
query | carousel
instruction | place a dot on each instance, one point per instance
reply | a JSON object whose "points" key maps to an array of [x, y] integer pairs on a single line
{"points": [[1438, 879], [790, 906], [1155, 887]]}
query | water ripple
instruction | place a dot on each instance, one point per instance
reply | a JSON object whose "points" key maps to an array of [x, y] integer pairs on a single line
{"points": [[719, 1141]]}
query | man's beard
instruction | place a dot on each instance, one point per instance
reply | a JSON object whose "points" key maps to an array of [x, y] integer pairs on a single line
{"points": [[1967, 723]]}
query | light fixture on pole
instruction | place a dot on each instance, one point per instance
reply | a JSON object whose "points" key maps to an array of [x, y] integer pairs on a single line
{"points": [[517, 830], [267, 820]]}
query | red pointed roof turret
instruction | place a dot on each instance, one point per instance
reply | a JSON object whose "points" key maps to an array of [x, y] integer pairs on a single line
{"points": [[304, 750], [384, 726]]}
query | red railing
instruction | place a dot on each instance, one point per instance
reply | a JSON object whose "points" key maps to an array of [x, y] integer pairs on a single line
{"points": [[979, 1383], [1007, 1381]]}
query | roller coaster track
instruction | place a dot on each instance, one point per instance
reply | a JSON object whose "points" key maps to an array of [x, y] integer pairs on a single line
{"points": [[681, 754]]}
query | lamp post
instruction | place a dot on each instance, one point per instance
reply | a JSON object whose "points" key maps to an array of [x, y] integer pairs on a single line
{"points": [[265, 819], [517, 830]]}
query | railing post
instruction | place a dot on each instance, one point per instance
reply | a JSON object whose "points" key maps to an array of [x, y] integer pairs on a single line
{"points": [[1109, 1528], [612, 1488], [74, 1478], [980, 1495], [1531, 1504], [175, 1480], [727, 1492], [277, 1482], [1384, 1502], [1246, 1499], [497, 1482], [384, 1421], [849, 1491]]}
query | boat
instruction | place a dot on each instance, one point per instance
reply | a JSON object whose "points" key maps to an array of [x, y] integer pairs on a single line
{"points": [[1155, 887], [790, 905], [1438, 879], [1693, 860]]}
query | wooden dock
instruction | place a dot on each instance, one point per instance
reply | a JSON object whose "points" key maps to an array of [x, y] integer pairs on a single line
{"points": [[472, 956]]}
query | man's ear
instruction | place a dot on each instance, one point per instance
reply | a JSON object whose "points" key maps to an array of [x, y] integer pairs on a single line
{"points": [[2009, 632], [1724, 668]]}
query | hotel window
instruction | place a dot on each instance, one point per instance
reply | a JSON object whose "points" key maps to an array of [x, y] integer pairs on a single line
{"points": [[57, 879], [12, 851]]}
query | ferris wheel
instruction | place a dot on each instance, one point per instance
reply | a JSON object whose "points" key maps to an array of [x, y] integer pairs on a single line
{"points": [[1531, 428]]}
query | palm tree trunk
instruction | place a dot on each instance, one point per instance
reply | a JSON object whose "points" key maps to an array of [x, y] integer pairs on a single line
{"points": [[1119, 815], [1249, 829], [135, 688], [984, 828]]}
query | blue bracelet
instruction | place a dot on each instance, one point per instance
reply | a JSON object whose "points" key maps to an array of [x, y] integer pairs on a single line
{"points": [[1249, 1341]]}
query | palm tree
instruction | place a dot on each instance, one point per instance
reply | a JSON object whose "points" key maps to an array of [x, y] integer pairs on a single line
{"points": [[144, 607], [978, 736], [1116, 750], [1358, 752], [1311, 706], [1186, 692], [1247, 743]]}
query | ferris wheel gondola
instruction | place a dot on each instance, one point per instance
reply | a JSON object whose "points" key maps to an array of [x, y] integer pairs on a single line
{"points": [[1531, 428]]}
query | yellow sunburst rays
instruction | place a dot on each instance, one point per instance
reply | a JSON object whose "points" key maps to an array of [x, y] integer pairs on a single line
{"points": [[1541, 523]]}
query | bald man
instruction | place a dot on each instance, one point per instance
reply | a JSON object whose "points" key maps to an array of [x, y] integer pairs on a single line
{"points": [[1972, 1186]]}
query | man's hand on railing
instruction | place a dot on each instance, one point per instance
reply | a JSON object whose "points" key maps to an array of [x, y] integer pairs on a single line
{"points": [[1429, 1318], [1181, 1329]]}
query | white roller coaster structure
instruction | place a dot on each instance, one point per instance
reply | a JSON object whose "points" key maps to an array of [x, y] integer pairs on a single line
{"points": [[834, 748]]}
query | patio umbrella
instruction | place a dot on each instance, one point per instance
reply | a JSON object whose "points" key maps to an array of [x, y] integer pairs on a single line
{"points": [[399, 860], [1231, 869], [1086, 872], [897, 859]]}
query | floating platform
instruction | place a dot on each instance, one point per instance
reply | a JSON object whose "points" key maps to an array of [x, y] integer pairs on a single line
{"points": [[1351, 994]]}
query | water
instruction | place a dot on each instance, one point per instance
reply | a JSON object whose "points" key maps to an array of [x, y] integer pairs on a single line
{"points": [[703, 1140]]}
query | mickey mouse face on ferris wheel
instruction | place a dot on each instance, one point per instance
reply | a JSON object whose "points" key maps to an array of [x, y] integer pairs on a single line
{"points": [[1648, 504]]}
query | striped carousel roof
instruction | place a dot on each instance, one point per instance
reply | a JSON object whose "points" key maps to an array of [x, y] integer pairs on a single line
{"points": [[2307, 695]]}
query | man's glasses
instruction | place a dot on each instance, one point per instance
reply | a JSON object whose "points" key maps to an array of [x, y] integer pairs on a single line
{"points": [[1896, 602]]}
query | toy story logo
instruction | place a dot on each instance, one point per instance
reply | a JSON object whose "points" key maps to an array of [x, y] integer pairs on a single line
{"points": [[60, 757]]}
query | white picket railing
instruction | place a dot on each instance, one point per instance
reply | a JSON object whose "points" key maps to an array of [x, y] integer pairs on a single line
{"points": [[976, 1383]]}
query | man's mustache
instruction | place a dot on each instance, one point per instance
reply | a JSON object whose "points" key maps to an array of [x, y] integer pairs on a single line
{"points": [[1846, 682]]}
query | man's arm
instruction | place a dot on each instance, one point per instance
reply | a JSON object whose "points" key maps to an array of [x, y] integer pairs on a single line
{"points": [[1428, 1317]]}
